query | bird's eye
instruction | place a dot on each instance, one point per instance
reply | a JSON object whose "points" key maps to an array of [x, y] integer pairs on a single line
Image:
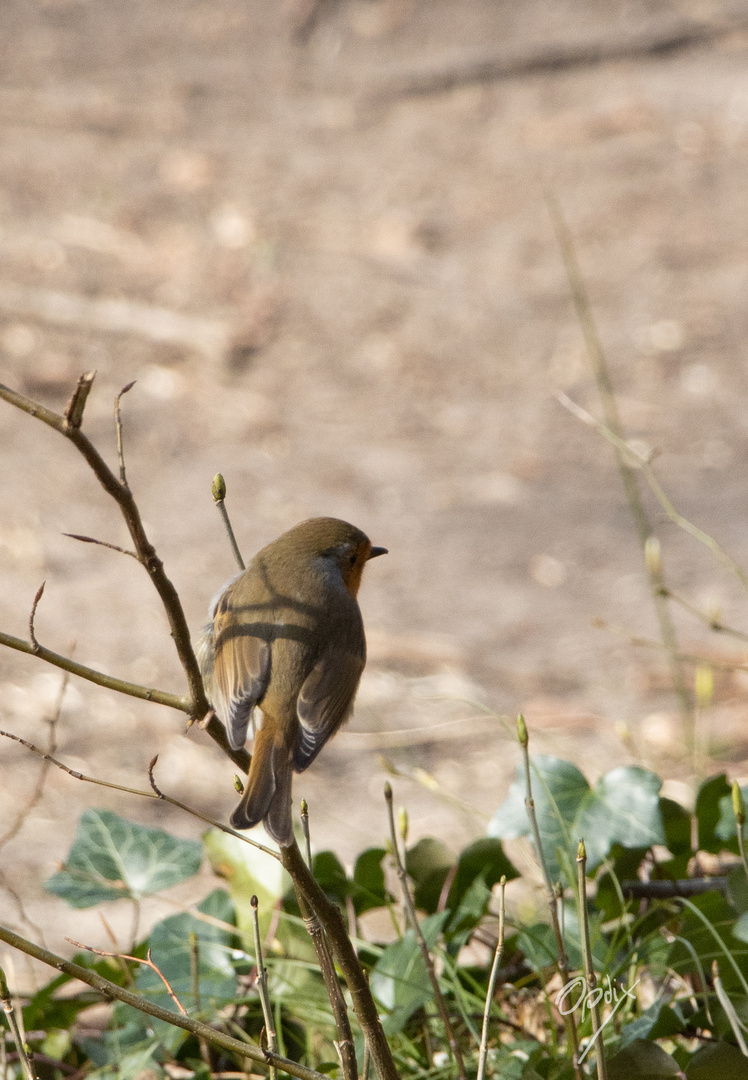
{"points": [[352, 559]]}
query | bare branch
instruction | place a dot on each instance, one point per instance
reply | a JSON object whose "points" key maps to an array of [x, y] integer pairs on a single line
{"points": [[101, 543], [198, 704], [331, 919], [145, 551], [118, 424], [111, 991], [77, 403], [147, 962], [173, 701], [155, 794]]}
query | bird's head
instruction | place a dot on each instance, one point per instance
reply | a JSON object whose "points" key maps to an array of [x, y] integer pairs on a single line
{"points": [[344, 545]]}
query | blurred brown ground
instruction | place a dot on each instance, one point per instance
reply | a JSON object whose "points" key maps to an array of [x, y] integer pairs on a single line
{"points": [[375, 320]]}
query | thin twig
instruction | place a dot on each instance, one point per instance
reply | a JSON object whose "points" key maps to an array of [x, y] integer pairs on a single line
{"points": [[195, 980], [218, 489], [118, 425], [425, 779], [591, 997], [345, 1045], [147, 962], [628, 474], [160, 697], [102, 543], [147, 555], [10, 1015], [641, 462], [36, 794], [262, 982], [155, 794], [410, 908], [563, 960], [111, 991], [650, 643], [32, 617], [483, 1052]]}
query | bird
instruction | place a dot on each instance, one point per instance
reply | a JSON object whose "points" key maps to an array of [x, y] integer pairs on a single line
{"points": [[287, 635]]}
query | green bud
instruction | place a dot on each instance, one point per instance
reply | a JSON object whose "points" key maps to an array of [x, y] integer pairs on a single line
{"points": [[238, 785], [521, 730], [653, 555], [402, 824], [218, 488], [581, 851], [738, 803], [704, 686], [388, 791]]}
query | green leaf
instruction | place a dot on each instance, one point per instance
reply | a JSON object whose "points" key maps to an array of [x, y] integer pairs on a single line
{"points": [[484, 859], [657, 1022], [726, 828], [368, 889], [558, 788], [331, 876], [622, 808], [708, 814], [248, 872], [677, 823], [112, 858], [626, 863], [699, 934], [428, 862], [399, 979], [171, 952], [538, 942], [716, 1062], [642, 1061]]}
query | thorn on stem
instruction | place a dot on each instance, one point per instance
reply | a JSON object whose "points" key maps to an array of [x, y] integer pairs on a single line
{"points": [[151, 777], [32, 616]]}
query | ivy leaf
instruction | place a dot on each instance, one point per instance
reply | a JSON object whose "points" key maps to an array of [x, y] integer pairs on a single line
{"points": [[368, 888], [172, 953], [112, 858], [399, 980], [623, 808], [709, 815]]}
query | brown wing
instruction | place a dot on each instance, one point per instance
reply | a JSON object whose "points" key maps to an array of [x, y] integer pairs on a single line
{"points": [[325, 702], [242, 671]]}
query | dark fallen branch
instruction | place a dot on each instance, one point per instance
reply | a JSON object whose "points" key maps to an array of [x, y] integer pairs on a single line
{"points": [[667, 890], [652, 38]]}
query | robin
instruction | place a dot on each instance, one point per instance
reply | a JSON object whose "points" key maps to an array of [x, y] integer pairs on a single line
{"points": [[287, 635]]}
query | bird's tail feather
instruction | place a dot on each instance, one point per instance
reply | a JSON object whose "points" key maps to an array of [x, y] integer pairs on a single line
{"points": [[267, 796]]}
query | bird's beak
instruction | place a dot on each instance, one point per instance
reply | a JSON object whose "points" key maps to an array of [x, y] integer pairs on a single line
{"points": [[376, 551]]}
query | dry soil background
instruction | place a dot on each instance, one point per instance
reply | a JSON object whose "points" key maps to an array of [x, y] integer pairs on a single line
{"points": [[337, 282]]}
